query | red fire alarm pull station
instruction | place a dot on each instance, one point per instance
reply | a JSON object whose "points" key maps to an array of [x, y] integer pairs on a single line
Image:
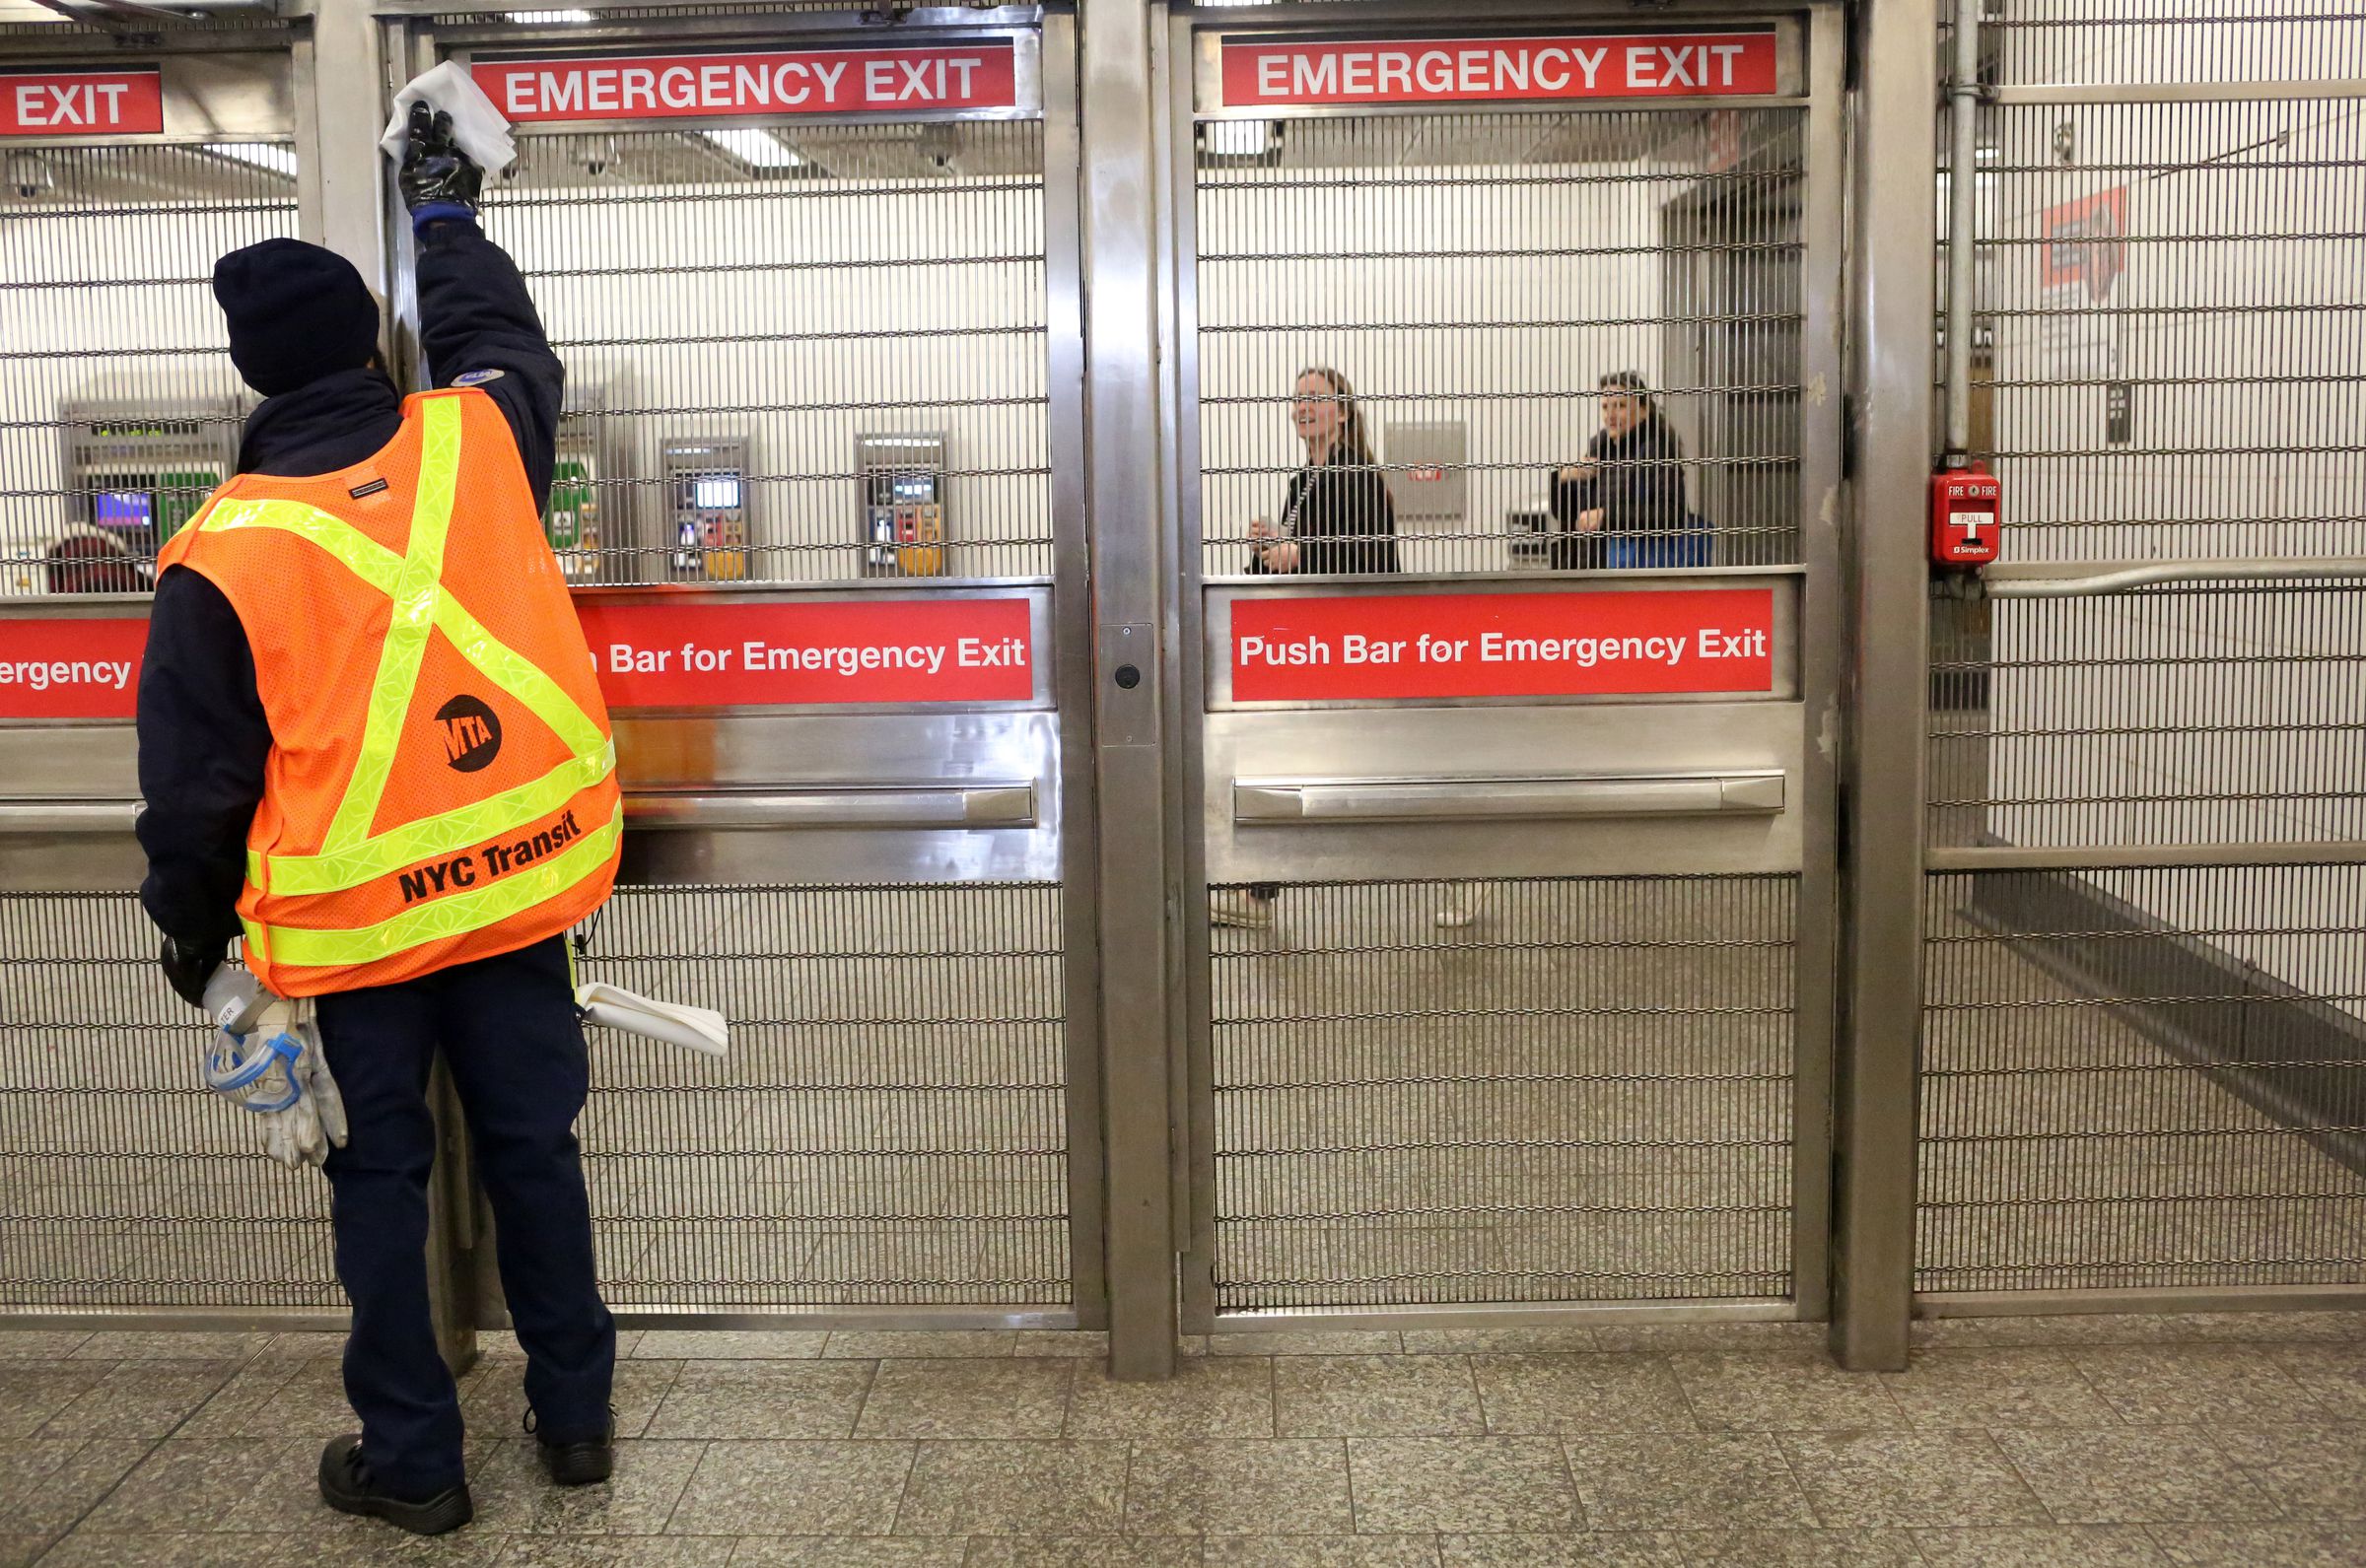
{"points": [[1964, 507]]}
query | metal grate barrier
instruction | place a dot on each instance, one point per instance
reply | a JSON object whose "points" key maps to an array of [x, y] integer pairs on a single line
{"points": [[1584, 1093]]}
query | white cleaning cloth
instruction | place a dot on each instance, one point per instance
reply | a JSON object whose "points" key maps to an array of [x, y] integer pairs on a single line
{"points": [[476, 123], [699, 1028]]}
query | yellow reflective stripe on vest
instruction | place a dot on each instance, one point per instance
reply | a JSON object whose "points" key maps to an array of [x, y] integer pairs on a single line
{"points": [[430, 837], [370, 561], [456, 916], [416, 593]]}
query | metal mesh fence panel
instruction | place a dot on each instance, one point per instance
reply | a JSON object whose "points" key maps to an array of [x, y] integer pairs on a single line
{"points": [[119, 409], [1472, 277], [2083, 43], [2145, 1078], [1584, 1093], [890, 1127], [123, 1182], [737, 305]]}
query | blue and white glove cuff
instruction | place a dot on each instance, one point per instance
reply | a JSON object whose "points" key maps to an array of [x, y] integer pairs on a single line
{"points": [[428, 211]]}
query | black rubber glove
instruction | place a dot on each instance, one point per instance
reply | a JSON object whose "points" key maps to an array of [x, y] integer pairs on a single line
{"points": [[438, 179], [187, 969]]}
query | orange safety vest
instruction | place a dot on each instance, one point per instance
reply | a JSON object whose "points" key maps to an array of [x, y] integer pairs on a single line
{"points": [[441, 783]]}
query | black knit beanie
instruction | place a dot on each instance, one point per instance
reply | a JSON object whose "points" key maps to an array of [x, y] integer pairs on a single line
{"points": [[297, 313]]}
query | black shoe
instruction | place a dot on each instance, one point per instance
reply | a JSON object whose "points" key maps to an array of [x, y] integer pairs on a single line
{"points": [[578, 1464], [347, 1486]]}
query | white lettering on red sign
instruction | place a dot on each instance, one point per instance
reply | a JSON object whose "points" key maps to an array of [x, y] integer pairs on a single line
{"points": [[71, 667], [82, 103], [970, 76], [1270, 73]]}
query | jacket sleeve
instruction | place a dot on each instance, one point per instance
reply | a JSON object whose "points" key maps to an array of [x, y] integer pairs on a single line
{"points": [[475, 315], [204, 743], [1571, 496], [1648, 494], [1375, 517]]}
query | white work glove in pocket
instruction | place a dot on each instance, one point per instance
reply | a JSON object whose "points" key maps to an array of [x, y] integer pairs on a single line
{"points": [[278, 1072]]}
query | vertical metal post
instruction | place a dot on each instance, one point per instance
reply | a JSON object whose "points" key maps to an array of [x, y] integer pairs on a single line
{"points": [[344, 83], [1880, 991], [1963, 182], [1120, 232]]}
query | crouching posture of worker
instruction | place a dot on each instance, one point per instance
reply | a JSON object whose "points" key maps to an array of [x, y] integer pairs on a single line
{"points": [[370, 741]]}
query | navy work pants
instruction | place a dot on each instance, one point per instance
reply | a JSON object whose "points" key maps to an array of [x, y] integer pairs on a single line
{"points": [[508, 1030]]}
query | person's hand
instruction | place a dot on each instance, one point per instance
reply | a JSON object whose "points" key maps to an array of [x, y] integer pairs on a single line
{"points": [[1577, 473], [436, 173], [187, 968], [1261, 528], [1590, 521], [1281, 557]]}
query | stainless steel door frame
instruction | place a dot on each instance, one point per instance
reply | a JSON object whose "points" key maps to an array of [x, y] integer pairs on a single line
{"points": [[869, 807], [1820, 621]]}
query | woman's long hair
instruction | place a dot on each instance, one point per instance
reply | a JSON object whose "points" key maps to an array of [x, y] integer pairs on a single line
{"points": [[1352, 438]]}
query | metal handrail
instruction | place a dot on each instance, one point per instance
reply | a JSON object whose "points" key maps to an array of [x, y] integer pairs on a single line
{"points": [[2005, 582]]}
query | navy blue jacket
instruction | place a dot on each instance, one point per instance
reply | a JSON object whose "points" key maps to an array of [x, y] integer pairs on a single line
{"points": [[204, 738]]}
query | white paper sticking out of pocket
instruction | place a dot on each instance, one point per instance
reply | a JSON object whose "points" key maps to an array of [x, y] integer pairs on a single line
{"points": [[676, 1023]]}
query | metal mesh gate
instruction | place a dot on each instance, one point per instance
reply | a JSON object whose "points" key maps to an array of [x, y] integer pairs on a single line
{"points": [[118, 405], [1588, 1097], [122, 1182], [890, 1127], [2144, 1060]]}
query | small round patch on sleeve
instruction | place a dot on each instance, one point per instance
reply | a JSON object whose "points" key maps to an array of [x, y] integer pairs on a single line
{"points": [[475, 378]]}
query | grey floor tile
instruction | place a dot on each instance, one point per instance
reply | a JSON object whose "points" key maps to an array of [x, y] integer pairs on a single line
{"points": [[1237, 1487], [170, 1346], [2133, 1475], [1606, 1550], [846, 1551], [2001, 1387], [39, 1344], [1319, 1551], [1307, 1342], [608, 1551], [374, 1545], [1800, 1548], [716, 1344], [1375, 1395], [1660, 1337], [2261, 1546], [1685, 1482], [2195, 1384], [19, 1550], [32, 1391], [758, 1399], [1083, 1551], [1404, 1486], [185, 1484], [493, 1396], [1498, 1341], [307, 1344], [2042, 1546], [1601, 1392], [1207, 1396], [1780, 1391], [915, 1345], [1014, 1489], [1072, 1343], [993, 1397], [1873, 1480], [2166, 1328], [820, 1488], [514, 1495], [292, 1399], [47, 1485], [2334, 1376], [2312, 1473]]}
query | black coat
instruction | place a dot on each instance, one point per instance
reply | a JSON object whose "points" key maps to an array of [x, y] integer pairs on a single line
{"points": [[1341, 517], [1638, 485], [204, 739]]}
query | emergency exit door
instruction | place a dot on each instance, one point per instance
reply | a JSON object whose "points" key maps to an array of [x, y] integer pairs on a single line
{"points": [[812, 277], [1509, 985]]}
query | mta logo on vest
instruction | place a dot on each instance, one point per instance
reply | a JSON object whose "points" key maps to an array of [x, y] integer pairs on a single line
{"points": [[471, 734]]}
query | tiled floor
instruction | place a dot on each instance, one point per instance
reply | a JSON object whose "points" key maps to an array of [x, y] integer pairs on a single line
{"points": [[2010, 1443]]}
